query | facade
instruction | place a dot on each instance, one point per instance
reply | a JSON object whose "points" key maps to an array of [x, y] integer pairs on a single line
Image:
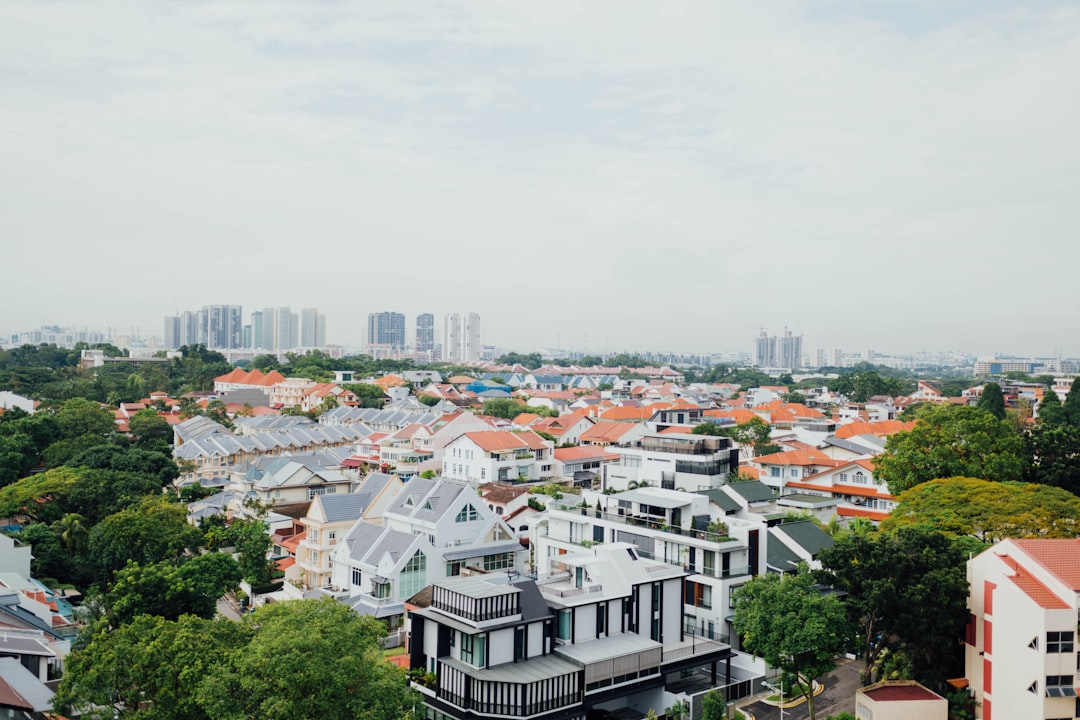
{"points": [[778, 351], [386, 330], [461, 337], [430, 530], [853, 484], [1020, 654], [592, 633], [899, 700], [425, 336], [312, 328], [673, 461], [667, 526], [498, 456]]}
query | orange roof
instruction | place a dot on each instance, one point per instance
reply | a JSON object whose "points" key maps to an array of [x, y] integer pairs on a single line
{"points": [[845, 511], [883, 428], [750, 471], [799, 457], [841, 489], [583, 452], [606, 431], [795, 409], [387, 381], [1034, 589], [1060, 557], [293, 542], [285, 563], [461, 380], [525, 418], [502, 440], [739, 415], [680, 429], [627, 413]]}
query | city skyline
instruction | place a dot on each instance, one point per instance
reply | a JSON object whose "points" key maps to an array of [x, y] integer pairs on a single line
{"points": [[889, 175]]}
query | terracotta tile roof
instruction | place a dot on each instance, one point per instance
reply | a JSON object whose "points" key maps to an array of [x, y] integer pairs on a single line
{"points": [[502, 440], [799, 457], [678, 429], [292, 543], [1039, 593], [606, 431], [1060, 557], [525, 418], [883, 428], [844, 489], [387, 381], [460, 380], [502, 494], [627, 413], [583, 452], [9, 697], [739, 415], [845, 511], [898, 693]]}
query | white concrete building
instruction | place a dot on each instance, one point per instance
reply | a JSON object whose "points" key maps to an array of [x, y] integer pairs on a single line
{"points": [[1020, 656]]}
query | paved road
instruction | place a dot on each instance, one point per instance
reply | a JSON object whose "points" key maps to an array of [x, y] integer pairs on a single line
{"points": [[838, 696], [226, 610]]}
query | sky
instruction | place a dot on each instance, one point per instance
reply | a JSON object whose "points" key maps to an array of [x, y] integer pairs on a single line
{"points": [[611, 175]]}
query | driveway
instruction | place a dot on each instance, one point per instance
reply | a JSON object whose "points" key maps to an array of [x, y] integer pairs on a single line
{"points": [[838, 696]]}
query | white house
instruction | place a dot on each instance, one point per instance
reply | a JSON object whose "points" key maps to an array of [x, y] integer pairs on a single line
{"points": [[498, 456]]}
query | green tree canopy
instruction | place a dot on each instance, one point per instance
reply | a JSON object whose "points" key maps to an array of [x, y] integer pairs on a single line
{"points": [[147, 425], [988, 511], [1051, 412], [950, 441], [152, 531], [150, 668], [307, 660], [1072, 403], [80, 416], [786, 620], [907, 592], [1054, 452], [164, 589], [504, 408], [863, 384], [992, 400]]}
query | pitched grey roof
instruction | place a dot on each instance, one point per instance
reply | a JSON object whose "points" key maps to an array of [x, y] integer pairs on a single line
{"points": [[24, 682], [727, 503], [339, 508], [780, 558], [752, 491], [426, 499], [859, 444], [807, 535], [368, 543]]}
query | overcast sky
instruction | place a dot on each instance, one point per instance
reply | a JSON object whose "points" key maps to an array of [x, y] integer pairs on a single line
{"points": [[592, 175]]}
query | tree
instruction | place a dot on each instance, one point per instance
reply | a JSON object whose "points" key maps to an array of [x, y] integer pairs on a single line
{"points": [[713, 706], [73, 532], [1051, 412], [1054, 453], [1071, 406], [371, 396], [17, 457], [80, 416], [786, 620], [148, 668], [146, 425], [863, 384], [252, 543], [992, 401], [49, 558], [169, 591], [949, 441], [149, 532], [34, 496], [988, 511], [307, 659], [905, 591], [503, 408]]}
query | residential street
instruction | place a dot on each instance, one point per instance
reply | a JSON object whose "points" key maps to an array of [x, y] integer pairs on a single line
{"points": [[838, 696]]}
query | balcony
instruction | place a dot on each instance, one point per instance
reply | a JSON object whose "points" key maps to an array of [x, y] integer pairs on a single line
{"points": [[537, 685], [647, 521]]}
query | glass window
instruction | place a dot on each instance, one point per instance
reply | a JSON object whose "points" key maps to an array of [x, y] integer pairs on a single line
{"points": [[1059, 642], [499, 561], [564, 625], [467, 514]]}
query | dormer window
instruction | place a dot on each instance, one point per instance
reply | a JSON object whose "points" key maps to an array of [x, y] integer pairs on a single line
{"points": [[467, 514]]}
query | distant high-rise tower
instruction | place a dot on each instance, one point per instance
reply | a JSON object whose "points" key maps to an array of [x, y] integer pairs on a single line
{"points": [[312, 328], [461, 337], [275, 329], [425, 335], [386, 330], [172, 332], [222, 326], [771, 351]]}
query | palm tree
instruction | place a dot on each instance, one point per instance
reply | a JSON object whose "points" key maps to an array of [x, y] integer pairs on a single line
{"points": [[73, 532]]}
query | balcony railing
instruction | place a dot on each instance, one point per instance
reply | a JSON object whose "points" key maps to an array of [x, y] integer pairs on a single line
{"points": [[509, 709], [641, 521]]}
